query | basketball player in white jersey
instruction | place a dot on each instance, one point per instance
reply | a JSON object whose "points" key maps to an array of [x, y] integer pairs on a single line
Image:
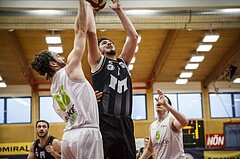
{"points": [[74, 98], [110, 75], [166, 138]]}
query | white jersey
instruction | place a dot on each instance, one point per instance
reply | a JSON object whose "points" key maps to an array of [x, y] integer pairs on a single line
{"points": [[74, 101], [166, 143]]}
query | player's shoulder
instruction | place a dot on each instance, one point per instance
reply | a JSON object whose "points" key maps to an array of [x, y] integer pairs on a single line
{"points": [[33, 143], [56, 143], [55, 140], [153, 123]]}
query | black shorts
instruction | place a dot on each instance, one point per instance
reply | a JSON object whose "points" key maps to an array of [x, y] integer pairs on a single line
{"points": [[118, 137]]}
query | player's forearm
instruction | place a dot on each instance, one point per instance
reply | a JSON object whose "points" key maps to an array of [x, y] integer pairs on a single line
{"points": [[82, 16], [127, 24], [56, 155], [179, 116], [91, 21], [146, 154], [31, 155]]}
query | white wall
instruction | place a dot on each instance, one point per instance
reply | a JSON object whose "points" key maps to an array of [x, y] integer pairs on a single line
{"points": [[171, 87], [224, 87], [15, 91]]}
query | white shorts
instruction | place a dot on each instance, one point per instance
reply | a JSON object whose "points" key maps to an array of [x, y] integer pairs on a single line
{"points": [[82, 143]]}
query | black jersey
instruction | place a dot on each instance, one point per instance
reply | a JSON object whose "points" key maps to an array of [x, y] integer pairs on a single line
{"points": [[113, 79], [40, 152]]}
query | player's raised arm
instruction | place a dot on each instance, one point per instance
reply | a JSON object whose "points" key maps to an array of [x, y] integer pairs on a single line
{"points": [[74, 67], [94, 53], [130, 45]]}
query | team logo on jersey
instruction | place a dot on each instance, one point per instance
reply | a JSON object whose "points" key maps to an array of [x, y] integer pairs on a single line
{"points": [[157, 135], [36, 152], [122, 64], [160, 143], [65, 104], [119, 85], [110, 67], [42, 154], [160, 140]]}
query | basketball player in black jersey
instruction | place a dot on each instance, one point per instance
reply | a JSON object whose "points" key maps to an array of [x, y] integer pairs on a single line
{"points": [[110, 76], [47, 146]]}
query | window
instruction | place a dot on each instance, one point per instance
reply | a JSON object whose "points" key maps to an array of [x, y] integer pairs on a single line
{"points": [[47, 111], [232, 135], [224, 105], [185, 102], [139, 107], [1, 111], [190, 105], [236, 98], [18, 110]]}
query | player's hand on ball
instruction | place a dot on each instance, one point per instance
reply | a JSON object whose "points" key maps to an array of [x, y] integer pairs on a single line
{"points": [[116, 5], [97, 4]]}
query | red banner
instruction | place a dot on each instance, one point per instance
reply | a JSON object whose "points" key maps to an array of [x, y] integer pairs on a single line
{"points": [[215, 140]]}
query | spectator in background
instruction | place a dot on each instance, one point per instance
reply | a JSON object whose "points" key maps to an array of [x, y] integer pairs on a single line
{"points": [[47, 146], [141, 150]]}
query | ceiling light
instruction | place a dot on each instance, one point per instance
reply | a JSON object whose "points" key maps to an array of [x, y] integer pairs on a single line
{"points": [[186, 74], [191, 66], [1, 78], [211, 37], [103, 30], [181, 81], [204, 47], [47, 12], [133, 60], [139, 39], [130, 67], [3, 85], [237, 80], [53, 39], [197, 58], [136, 50], [57, 48], [143, 12]]}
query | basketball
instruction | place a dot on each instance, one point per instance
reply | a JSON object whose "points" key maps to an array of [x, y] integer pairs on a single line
{"points": [[97, 4]]}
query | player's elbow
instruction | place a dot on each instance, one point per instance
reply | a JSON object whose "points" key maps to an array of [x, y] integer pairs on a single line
{"points": [[91, 33], [135, 37]]}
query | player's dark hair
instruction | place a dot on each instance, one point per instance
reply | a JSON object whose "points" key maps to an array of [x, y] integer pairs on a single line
{"points": [[44, 121], [41, 64], [101, 39]]}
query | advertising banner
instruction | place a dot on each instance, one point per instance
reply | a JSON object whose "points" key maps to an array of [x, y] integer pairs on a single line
{"points": [[222, 154], [14, 148], [215, 140]]}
